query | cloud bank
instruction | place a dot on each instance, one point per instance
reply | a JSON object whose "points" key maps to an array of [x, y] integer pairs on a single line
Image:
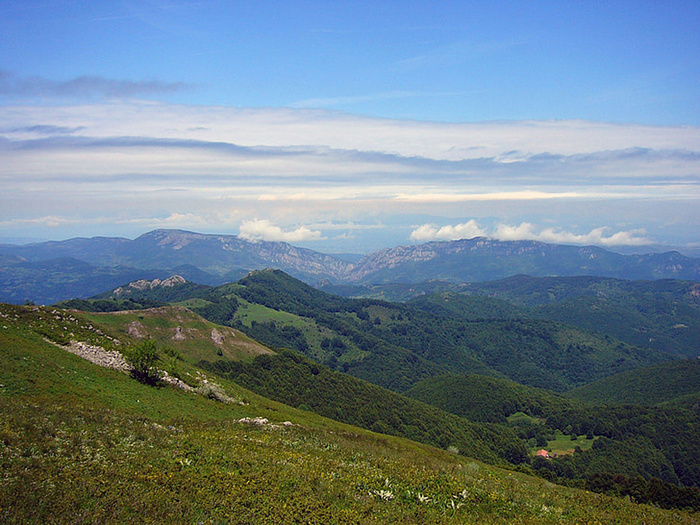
{"points": [[222, 169], [264, 230], [428, 232], [526, 231]]}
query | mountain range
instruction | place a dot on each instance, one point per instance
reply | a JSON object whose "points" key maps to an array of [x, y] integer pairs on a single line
{"points": [[40, 272], [396, 345]]}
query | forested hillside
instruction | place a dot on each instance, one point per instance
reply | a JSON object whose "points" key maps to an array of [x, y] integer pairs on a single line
{"points": [[665, 383], [482, 398], [394, 345], [661, 314], [293, 380], [650, 442], [631, 441]]}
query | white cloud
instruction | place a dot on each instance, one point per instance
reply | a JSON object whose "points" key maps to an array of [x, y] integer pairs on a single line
{"points": [[286, 127], [189, 166], [466, 230], [49, 221], [264, 230], [180, 220], [527, 231], [525, 195], [599, 236]]}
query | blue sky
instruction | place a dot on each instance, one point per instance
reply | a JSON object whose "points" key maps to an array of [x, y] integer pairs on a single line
{"points": [[351, 126]]}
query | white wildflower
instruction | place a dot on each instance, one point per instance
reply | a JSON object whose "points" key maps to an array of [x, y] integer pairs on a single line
{"points": [[386, 495], [464, 494], [423, 499]]}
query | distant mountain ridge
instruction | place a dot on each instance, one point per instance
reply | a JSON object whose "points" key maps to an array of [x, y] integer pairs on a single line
{"points": [[160, 249], [40, 271], [482, 259]]}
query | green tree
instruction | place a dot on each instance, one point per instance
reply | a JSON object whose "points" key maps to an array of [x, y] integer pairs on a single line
{"points": [[143, 358]]}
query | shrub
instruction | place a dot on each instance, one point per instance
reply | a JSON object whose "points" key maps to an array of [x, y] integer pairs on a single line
{"points": [[143, 358], [213, 391]]}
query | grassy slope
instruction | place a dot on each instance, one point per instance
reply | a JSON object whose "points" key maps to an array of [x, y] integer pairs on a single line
{"points": [[81, 444], [189, 335], [179, 328]]}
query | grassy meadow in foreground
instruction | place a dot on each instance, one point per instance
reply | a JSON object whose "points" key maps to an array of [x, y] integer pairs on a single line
{"points": [[80, 443]]}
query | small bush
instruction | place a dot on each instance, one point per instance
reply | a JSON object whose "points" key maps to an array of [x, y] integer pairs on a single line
{"points": [[143, 358], [214, 391]]}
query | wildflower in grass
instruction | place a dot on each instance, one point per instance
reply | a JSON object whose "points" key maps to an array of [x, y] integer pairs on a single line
{"points": [[454, 506], [464, 494], [385, 495], [422, 498]]}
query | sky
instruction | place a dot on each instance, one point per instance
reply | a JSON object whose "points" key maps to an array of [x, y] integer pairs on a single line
{"points": [[348, 127]]}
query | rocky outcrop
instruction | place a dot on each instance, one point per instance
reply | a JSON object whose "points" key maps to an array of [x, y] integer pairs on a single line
{"points": [[142, 284], [98, 355], [217, 337], [137, 330], [179, 334]]}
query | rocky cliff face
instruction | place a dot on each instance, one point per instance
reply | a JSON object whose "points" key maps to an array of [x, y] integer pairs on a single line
{"points": [[220, 253]]}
